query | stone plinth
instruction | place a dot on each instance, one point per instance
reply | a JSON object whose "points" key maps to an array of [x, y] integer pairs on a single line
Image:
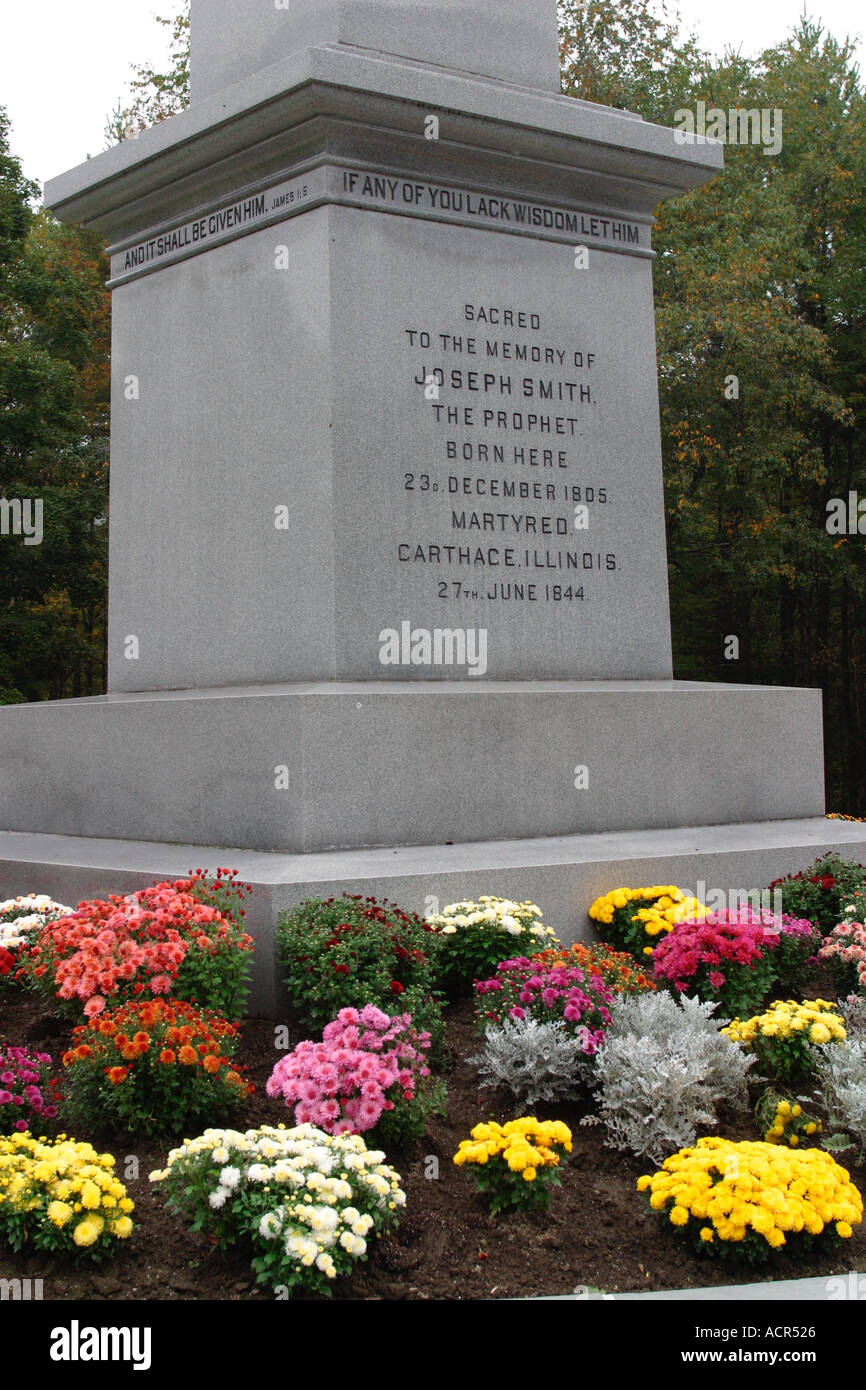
{"points": [[314, 767]]}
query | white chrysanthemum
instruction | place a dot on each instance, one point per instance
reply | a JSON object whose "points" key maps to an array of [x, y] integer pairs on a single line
{"points": [[220, 1154], [230, 1178], [324, 1219], [269, 1226], [302, 1249], [36, 903], [217, 1199], [353, 1245]]}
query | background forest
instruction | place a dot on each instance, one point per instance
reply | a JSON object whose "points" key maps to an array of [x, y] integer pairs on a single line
{"points": [[760, 276]]}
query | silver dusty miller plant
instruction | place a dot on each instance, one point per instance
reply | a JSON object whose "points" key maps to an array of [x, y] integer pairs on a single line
{"points": [[854, 1013], [536, 1061], [840, 1073], [661, 1071]]}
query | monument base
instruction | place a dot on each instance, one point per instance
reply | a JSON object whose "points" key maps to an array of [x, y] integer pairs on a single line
{"points": [[564, 874], [312, 767]]}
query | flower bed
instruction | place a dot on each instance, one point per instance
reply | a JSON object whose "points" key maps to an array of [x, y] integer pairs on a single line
{"points": [[622, 1063], [447, 1245]]}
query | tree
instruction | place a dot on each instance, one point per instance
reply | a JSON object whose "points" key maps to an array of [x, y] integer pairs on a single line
{"points": [[54, 395], [756, 280], [627, 53], [157, 95]]}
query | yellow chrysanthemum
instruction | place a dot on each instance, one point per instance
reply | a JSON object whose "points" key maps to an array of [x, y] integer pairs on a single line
{"points": [[774, 1191], [59, 1213], [89, 1230]]}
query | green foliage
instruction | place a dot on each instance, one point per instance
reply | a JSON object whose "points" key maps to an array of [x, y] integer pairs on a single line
{"points": [[820, 892], [409, 1118], [308, 1204], [54, 396], [782, 1120], [153, 1068], [516, 1166], [626, 53], [156, 95], [351, 951], [220, 978]]}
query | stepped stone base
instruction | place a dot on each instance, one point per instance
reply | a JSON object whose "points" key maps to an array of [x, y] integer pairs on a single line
{"points": [[563, 874], [319, 766]]}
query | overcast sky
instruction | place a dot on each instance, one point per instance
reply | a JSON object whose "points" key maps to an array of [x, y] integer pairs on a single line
{"points": [[64, 64]]}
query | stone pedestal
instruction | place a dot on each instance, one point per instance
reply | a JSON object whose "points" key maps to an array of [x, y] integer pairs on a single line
{"points": [[350, 765]]}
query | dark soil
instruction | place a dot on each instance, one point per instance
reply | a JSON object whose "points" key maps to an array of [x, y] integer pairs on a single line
{"points": [[597, 1232]]}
